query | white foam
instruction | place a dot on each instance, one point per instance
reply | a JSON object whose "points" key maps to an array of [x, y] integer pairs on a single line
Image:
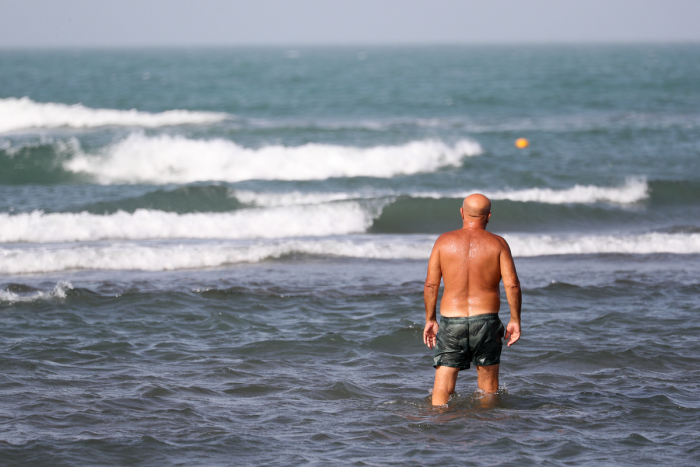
{"points": [[596, 244], [176, 159], [202, 255], [633, 191], [19, 114], [59, 291], [194, 255], [320, 220], [297, 198]]}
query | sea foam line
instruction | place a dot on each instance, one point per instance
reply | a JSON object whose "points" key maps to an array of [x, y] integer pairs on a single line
{"points": [[192, 255], [633, 191], [24, 113], [320, 220], [176, 159]]}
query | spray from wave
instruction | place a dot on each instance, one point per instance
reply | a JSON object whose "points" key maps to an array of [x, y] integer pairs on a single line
{"points": [[20, 294], [24, 113], [175, 159]]}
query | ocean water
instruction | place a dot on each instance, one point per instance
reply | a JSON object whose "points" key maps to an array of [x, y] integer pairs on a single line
{"points": [[216, 256]]}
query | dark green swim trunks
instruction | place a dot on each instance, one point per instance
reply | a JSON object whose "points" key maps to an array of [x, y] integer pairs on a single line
{"points": [[474, 339]]}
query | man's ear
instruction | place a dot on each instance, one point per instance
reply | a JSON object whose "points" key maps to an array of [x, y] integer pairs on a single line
{"points": [[488, 218], [461, 212]]}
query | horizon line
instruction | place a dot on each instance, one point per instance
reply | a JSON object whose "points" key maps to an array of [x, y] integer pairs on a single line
{"points": [[288, 45]]}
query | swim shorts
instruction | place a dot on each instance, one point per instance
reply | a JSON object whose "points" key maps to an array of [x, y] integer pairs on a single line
{"points": [[465, 340]]}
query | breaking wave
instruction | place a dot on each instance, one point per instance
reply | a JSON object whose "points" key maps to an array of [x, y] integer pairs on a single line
{"points": [[642, 244], [142, 224], [633, 191], [163, 257], [24, 113], [176, 159]]}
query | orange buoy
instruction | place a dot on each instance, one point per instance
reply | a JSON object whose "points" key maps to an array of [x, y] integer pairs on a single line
{"points": [[521, 143]]}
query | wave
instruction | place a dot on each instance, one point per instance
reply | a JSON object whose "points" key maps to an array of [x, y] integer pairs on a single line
{"points": [[322, 220], [24, 113], [633, 191], [186, 199], [649, 243], [221, 198], [562, 123], [197, 256], [176, 159], [165, 257], [19, 293]]}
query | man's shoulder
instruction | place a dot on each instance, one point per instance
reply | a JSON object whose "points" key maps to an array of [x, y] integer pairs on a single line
{"points": [[448, 237], [501, 241]]}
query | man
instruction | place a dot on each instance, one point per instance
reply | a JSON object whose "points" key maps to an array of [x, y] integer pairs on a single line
{"points": [[472, 263]]}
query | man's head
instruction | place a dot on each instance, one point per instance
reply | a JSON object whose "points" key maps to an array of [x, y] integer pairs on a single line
{"points": [[476, 208]]}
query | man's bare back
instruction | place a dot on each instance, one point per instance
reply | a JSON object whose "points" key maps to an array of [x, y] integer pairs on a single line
{"points": [[471, 262]]}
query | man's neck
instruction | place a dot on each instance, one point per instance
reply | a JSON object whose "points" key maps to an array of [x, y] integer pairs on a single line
{"points": [[474, 225]]}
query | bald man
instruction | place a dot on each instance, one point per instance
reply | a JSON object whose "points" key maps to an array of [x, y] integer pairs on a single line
{"points": [[472, 262]]}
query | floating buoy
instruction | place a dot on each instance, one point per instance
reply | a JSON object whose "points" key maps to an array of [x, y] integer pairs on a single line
{"points": [[521, 143]]}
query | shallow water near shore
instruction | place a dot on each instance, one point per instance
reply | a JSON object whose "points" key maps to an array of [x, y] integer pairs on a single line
{"points": [[232, 273], [230, 364]]}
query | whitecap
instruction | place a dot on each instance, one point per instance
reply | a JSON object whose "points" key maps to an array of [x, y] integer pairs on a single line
{"points": [[24, 113]]}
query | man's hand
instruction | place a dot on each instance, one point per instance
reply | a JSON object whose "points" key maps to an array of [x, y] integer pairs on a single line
{"points": [[429, 333], [512, 333]]}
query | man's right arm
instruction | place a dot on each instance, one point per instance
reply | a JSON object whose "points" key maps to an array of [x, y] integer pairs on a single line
{"points": [[511, 283], [430, 296]]}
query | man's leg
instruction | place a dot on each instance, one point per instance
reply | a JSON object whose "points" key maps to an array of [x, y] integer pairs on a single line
{"points": [[445, 380], [487, 378]]}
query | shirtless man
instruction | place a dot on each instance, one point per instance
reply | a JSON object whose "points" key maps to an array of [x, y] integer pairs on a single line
{"points": [[472, 263]]}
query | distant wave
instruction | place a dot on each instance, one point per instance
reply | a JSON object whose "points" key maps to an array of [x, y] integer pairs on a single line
{"points": [[634, 190], [562, 123], [321, 220], [24, 113], [594, 244], [126, 256], [175, 159]]}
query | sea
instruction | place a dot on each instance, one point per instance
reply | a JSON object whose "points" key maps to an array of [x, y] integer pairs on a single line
{"points": [[216, 256]]}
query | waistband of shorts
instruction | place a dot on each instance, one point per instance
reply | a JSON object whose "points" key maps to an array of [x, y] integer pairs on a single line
{"points": [[469, 319]]}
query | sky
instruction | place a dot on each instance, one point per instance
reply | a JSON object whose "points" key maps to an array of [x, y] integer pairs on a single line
{"points": [[144, 23]]}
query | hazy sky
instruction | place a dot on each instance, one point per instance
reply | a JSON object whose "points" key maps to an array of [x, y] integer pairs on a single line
{"points": [[56, 23]]}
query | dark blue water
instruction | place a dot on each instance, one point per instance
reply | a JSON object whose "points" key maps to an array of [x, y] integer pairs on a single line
{"points": [[216, 256]]}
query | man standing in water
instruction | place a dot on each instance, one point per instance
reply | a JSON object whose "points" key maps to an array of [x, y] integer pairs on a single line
{"points": [[472, 263]]}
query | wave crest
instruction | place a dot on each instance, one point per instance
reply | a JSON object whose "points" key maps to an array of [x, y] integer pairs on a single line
{"points": [[24, 113], [164, 257], [13, 296], [633, 191], [175, 159], [143, 224]]}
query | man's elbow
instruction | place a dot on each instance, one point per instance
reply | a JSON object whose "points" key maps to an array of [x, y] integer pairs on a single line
{"points": [[430, 286]]}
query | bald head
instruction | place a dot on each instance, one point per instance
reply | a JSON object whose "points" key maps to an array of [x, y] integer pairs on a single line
{"points": [[476, 205]]}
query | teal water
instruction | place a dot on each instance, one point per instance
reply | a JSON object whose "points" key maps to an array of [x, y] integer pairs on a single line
{"points": [[216, 256]]}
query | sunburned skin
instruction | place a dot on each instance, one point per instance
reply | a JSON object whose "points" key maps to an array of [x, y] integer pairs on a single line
{"points": [[471, 262]]}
